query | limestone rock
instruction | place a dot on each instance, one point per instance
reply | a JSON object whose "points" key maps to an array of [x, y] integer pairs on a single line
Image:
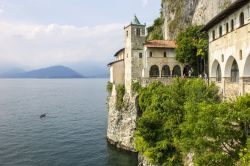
{"points": [[122, 123], [179, 14]]}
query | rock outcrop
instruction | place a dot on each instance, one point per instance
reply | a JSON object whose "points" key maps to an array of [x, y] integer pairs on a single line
{"points": [[181, 13], [122, 123]]}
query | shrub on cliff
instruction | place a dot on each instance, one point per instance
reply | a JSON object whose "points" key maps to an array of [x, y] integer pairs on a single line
{"points": [[109, 88], [119, 97]]}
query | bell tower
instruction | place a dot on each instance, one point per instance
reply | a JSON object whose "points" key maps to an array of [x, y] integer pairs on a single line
{"points": [[135, 37]]}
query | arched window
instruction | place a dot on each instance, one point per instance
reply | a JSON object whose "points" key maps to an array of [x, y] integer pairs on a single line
{"points": [[165, 71], [220, 30], [187, 70], [165, 54], [242, 19], [227, 28], [213, 34], [232, 25], [218, 73], [154, 71], [177, 71], [234, 72]]}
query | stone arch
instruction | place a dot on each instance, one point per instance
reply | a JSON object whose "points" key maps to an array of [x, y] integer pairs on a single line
{"points": [[154, 71], [232, 69], [186, 70], [165, 71], [246, 72], [176, 71], [214, 68]]}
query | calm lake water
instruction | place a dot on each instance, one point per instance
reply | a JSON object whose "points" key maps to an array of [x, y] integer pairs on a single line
{"points": [[74, 132]]}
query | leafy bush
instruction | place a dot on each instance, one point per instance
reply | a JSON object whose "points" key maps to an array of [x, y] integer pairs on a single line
{"points": [[109, 87], [136, 86], [119, 97], [245, 155]]}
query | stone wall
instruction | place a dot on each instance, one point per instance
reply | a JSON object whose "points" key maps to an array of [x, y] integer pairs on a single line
{"points": [[146, 81]]}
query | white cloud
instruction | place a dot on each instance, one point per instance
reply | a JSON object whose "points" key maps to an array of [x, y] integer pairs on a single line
{"points": [[35, 45]]}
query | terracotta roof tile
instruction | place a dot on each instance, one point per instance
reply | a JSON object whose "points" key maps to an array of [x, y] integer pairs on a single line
{"points": [[160, 44]]}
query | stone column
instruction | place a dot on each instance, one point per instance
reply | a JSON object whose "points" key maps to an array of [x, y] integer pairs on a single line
{"points": [[242, 87], [223, 81]]}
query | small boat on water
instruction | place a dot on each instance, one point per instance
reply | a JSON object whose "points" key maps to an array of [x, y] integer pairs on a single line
{"points": [[43, 116]]}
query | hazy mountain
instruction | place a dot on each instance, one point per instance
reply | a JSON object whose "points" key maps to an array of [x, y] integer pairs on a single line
{"points": [[12, 72], [50, 72]]}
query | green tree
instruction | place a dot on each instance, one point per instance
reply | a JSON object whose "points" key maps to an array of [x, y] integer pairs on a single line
{"points": [[216, 131], [192, 48], [158, 133]]}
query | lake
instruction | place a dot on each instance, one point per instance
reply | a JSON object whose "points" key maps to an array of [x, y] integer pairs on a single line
{"points": [[73, 134]]}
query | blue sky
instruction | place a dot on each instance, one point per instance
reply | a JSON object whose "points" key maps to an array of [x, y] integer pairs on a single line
{"points": [[76, 33]]}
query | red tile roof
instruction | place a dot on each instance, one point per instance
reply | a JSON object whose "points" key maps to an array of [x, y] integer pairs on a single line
{"points": [[160, 44]]}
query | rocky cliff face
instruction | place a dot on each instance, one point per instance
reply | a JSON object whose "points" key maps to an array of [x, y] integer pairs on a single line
{"points": [[181, 13], [122, 123]]}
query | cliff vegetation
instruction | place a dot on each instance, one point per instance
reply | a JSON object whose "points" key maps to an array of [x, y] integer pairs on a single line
{"points": [[189, 117], [155, 31]]}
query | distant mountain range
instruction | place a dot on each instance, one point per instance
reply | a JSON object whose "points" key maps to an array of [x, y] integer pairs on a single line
{"points": [[49, 72]]}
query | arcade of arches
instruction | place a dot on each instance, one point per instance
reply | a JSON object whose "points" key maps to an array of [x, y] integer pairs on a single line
{"points": [[232, 76], [165, 71]]}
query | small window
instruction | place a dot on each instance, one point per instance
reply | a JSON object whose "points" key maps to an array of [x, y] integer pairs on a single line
{"points": [[140, 55], [232, 25], [138, 32], [165, 54], [213, 35], [220, 30], [240, 55], [227, 27], [242, 19], [127, 33], [151, 54]]}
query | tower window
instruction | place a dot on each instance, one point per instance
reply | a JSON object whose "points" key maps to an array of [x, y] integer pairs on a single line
{"points": [[127, 33], [232, 25], [140, 55], [220, 30], [242, 19], [138, 32], [165, 54]]}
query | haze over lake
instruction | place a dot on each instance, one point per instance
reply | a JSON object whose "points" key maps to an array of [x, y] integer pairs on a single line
{"points": [[74, 132]]}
